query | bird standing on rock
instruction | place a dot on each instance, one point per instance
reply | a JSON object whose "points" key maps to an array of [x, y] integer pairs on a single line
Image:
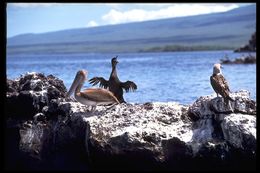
{"points": [[220, 84], [114, 84], [91, 96]]}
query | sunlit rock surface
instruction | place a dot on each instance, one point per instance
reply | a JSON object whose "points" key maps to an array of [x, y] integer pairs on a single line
{"points": [[57, 133], [240, 131]]}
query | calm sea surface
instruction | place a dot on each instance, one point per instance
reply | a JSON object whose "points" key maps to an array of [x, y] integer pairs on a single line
{"points": [[161, 77]]}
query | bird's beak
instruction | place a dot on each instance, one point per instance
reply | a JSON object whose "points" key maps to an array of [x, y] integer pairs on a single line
{"points": [[116, 60]]}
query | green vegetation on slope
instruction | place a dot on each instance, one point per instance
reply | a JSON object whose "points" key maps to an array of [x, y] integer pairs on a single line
{"points": [[174, 48]]}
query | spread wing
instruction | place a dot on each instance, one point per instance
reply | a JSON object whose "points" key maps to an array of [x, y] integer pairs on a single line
{"points": [[99, 94], [219, 84], [103, 83], [128, 86]]}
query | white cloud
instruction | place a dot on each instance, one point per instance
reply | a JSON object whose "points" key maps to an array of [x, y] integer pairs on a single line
{"points": [[175, 10], [154, 4], [114, 5], [92, 23], [30, 5]]}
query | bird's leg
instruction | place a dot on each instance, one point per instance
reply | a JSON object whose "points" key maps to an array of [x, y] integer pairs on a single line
{"points": [[105, 111], [217, 94], [111, 106]]}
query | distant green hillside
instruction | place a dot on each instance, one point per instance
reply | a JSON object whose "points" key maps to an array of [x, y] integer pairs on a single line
{"points": [[227, 30]]}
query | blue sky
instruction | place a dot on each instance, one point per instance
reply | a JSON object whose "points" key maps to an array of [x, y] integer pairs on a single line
{"points": [[45, 17]]}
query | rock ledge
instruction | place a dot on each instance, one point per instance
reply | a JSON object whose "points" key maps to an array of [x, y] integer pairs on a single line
{"points": [[49, 132]]}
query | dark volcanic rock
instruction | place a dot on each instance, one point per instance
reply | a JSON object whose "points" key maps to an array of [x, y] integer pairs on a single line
{"points": [[210, 106], [60, 134], [30, 93], [250, 46], [249, 59], [12, 86]]}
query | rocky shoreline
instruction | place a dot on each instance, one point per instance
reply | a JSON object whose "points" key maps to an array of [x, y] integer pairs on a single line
{"points": [[46, 131], [249, 59], [250, 46]]}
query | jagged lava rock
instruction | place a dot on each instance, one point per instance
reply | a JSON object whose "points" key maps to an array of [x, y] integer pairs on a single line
{"points": [[28, 94], [240, 131], [214, 122], [54, 144], [140, 131], [151, 136], [211, 105]]}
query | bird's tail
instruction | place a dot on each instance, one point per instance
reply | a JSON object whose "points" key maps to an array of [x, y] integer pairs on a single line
{"points": [[227, 97]]}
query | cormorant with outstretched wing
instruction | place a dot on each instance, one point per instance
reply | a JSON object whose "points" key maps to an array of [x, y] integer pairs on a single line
{"points": [[114, 84]]}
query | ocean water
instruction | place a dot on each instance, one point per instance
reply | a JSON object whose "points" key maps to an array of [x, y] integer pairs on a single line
{"points": [[160, 77]]}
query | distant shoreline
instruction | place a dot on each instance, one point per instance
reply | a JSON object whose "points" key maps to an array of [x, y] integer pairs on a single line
{"points": [[180, 48], [32, 50]]}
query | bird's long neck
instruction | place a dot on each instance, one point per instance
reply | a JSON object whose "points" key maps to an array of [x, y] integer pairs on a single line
{"points": [[77, 84], [114, 72], [78, 88]]}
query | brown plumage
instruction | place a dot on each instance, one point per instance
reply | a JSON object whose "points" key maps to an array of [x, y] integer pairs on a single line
{"points": [[220, 84], [91, 96], [114, 84]]}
